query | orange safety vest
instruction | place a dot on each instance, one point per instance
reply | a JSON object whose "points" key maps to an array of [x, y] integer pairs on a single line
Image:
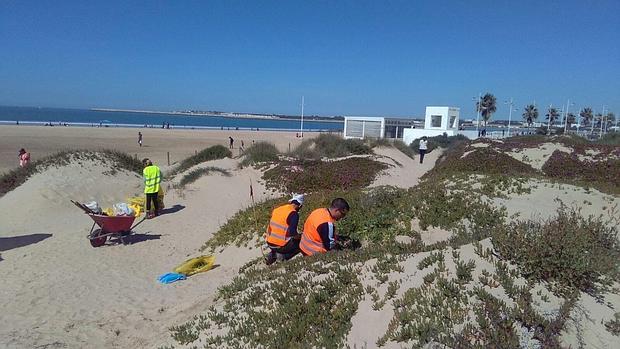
{"points": [[311, 241], [277, 231]]}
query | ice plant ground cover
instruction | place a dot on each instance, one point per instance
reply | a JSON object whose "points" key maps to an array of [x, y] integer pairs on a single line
{"points": [[496, 282]]}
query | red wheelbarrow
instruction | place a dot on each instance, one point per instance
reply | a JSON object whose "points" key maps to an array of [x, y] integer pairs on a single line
{"points": [[109, 226]]}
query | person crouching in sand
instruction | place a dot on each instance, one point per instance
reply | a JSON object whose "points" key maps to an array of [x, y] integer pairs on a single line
{"points": [[319, 234]]}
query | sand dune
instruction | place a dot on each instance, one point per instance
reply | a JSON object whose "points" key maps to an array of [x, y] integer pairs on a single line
{"points": [[58, 291]]}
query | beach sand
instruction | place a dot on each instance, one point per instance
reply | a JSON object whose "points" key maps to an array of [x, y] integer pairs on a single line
{"points": [[41, 141]]}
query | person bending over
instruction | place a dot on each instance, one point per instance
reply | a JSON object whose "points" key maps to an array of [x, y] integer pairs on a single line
{"points": [[319, 234]]}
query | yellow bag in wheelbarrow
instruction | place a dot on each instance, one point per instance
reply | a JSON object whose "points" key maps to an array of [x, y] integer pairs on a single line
{"points": [[195, 265]]}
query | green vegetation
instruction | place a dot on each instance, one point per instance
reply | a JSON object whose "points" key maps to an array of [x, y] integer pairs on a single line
{"points": [[569, 251], [117, 160], [613, 326], [443, 141], [259, 153], [530, 114], [377, 215], [305, 176], [612, 138], [193, 175], [604, 175], [212, 153], [400, 145], [487, 106], [311, 301], [330, 146]]}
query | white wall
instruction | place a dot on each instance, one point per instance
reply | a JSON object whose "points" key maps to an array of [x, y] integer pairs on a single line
{"points": [[446, 113], [411, 134], [365, 121]]}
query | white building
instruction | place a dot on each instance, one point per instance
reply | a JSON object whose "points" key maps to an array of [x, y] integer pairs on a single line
{"points": [[375, 127], [437, 121]]}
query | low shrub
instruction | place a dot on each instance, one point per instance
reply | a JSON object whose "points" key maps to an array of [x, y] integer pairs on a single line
{"points": [[400, 145], [376, 215], [304, 302], [378, 142], [260, 152], [308, 176], [443, 141], [434, 205], [464, 159], [612, 138], [565, 166], [194, 175], [331, 147], [211, 153], [569, 251]]}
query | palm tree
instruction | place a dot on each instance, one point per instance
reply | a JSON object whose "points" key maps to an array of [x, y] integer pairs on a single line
{"points": [[487, 107], [552, 115], [530, 113], [585, 115]]}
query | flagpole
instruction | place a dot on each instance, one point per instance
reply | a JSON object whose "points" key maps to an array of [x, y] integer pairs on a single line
{"points": [[302, 116]]}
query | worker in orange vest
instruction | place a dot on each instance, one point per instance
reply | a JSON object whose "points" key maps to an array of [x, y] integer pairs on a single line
{"points": [[319, 231], [282, 236]]}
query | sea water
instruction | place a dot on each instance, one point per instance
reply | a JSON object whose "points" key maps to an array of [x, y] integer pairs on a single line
{"points": [[81, 117]]}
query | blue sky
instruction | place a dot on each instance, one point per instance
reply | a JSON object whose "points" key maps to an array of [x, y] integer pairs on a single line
{"points": [[346, 57]]}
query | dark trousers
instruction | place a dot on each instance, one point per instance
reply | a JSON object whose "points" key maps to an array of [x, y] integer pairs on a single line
{"points": [[286, 252], [422, 152], [152, 197]]}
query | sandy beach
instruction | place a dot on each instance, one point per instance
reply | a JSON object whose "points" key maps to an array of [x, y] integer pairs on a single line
{"points": [[41, 141]]}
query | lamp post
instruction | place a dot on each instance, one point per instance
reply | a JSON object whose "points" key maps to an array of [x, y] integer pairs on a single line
{"points": [[478, 109], [602, 117], [568, 104], [510, 113], [549, 121], [302, 118]]}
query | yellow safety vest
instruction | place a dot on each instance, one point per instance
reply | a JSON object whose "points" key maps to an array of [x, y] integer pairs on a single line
{"points": [[152, 178]]}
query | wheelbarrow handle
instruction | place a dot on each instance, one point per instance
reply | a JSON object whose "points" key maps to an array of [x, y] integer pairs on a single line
{"points": [[135, 225]]}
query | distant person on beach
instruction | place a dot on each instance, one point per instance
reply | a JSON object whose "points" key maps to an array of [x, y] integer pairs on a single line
{"points": [[319, 234], [242, 148], [140, 138], [282, 236], [152, 180], [24, 158], [231, 141], [422, 148]]}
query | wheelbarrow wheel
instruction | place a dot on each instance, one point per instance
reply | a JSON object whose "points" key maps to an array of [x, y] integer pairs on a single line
{"points": [[96, 240]]}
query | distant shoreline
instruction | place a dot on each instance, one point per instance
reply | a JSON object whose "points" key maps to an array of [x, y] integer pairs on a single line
{"points": [[218, 114]]}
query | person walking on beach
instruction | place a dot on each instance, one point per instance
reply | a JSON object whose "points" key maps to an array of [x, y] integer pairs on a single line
{"points": [[422, 148], [140, 138], [230, 143], [319, 234], [152, 180], [282, 236], [24, 158]]}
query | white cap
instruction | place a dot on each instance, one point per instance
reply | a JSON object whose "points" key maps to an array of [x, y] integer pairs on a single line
{"points": [[297, 197]]}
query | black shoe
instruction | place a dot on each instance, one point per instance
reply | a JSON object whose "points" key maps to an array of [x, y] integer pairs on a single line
{"points": [[270, 259]]}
